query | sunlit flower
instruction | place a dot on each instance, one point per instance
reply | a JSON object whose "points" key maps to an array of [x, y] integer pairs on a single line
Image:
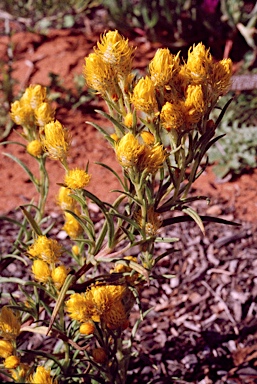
{"points": [[12, 362], [77, 178], [128, 150], [114, 136], [65, 200], [221, 77], [56, 141], [34, 95], [87, 328], [99, 355], [199, 61], [128, 120], [99, 76], [114, 49], [173, 115], [75, 250], [72, 227], [35, 148], [152, 158], [9, 324], [121, 268], [147, 137], [143, 96], [163, 66], [6, 348], [100, 302], [42, 376], [41, 271], [194, 103], [44, 113], [45, 249], [22, 114], [59, 275]]}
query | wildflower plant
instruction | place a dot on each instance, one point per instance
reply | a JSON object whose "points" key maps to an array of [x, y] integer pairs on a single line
{"points": [[160, 133]]}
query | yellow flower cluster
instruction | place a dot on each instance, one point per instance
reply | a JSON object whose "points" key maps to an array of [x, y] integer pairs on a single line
{"points": [[108, 68], [130, 152], [45, 254], [42, 376], [99, 303]]}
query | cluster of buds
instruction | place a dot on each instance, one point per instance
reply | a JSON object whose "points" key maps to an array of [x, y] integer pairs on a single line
{"points": [[46, 255]]}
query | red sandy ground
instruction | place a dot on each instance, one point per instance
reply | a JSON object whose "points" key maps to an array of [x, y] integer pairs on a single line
{"points": [[63, 52]]}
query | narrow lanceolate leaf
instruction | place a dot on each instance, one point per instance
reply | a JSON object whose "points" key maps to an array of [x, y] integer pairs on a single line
{"points": [[31, 220], [191, 212]]}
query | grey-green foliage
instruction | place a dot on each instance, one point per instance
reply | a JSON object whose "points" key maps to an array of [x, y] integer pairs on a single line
{"points": [[237, 150]]}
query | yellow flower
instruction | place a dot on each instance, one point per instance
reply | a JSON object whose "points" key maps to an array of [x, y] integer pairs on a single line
{"points": [[81, 307], [22, 114], [6, 348], [99, 355], [163, 66], [100, 76], [34, 95], [221, 77], [114, 49], [57, 140], [20, 373], [114, 136], [128, 120], [44, 114], [128, 150], [45, 249], [59, 275], [152, 158], [65, 200], [9, 324], [77, 178], [143, 96], [199, 61], [173, 115], [41, 271], [75, 250], [12, 362], [147, 137], [194, 104], [87, 328], [72, 227], [42, 376], [35, 148], [121, 268], [99, 303]]}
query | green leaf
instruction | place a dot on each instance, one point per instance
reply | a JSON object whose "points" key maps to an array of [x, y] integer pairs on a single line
{"points": [[31, 220]]}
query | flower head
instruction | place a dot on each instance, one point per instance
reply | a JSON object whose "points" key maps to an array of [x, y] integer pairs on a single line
{"points": [[9, 324], [87, 328], [41, 271], [148, 137], [173, 115], [163, 66], [45, 249], [34, 95], [6, 348], [11, 362], [128, 150], [72, 227], [99, 76], [22, 114], [199, 61], [128, 120], [100, 302], [194, 103], [65, 200], [152, 158], [44, 113], [57, 140], [35, 148], [143, 96], [221, 77], [42, 376], [59, 275], [153, 221], [77, 179], [114, 49]]}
